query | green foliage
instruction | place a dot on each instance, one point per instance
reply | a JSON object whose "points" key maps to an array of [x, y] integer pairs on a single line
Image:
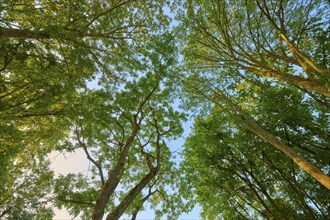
{"points": [[135, 115], [234, 172], [73, 192], [268, 60], [48, 52], [247, 62], [25, 192], [282, 40]]}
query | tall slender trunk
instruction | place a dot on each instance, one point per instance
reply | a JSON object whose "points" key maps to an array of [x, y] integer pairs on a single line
{"points": [[264, 191], [250, 178], [250, 124], [268, 137], [301, 57]]}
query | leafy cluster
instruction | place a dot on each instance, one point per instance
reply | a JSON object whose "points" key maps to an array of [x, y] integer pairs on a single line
{"points": [[106, 77], [258, 77]]}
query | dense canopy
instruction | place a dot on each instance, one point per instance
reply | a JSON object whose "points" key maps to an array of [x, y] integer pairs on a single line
{"points": [[118, 79]]}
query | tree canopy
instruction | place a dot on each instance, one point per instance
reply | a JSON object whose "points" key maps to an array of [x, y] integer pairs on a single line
{"points": [[278, 39], [253, 76]]}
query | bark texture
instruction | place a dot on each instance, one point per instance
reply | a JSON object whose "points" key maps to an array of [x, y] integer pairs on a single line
{"points": [[268, 137], [113, 179]]}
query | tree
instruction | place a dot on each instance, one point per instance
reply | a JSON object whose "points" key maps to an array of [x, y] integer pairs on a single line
{"points": [[233, 173], [123, 132], [257, 73], [48, 52], [222, 99], [256, 68], [219, 44], [274, 39], [233, 170]]}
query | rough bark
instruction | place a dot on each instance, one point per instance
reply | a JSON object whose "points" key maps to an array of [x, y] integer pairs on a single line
{"points": [[107, 190], [133, 193], [114, 175], [113, 179], [120, 209]]}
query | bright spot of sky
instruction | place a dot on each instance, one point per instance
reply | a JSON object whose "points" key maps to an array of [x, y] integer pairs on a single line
{"points": [[65, 163]]}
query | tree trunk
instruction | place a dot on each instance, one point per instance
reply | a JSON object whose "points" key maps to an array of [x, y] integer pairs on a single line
{"points": [[301, 57], [268, 137], [107, 190], [113, 179], [67, 35], [121, 208], [308, 84], [138, 207], [250, 124], [28, 34]]}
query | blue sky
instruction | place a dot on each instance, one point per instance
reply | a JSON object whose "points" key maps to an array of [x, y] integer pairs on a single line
{"points": [[64, 163], [77, 162]]}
